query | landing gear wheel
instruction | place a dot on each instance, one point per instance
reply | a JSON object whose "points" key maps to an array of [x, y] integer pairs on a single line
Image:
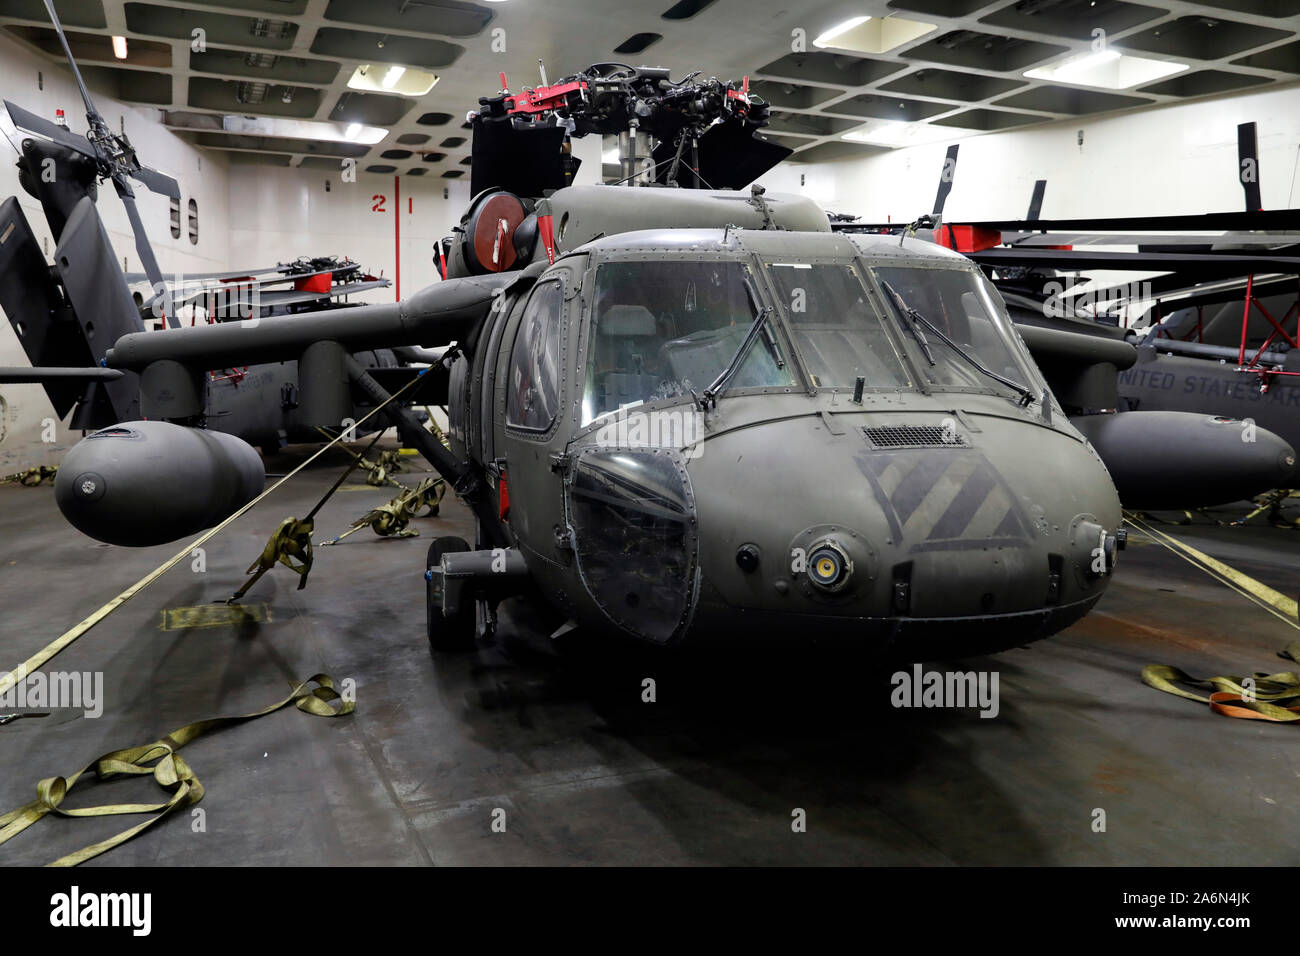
{"points": [[447, 633]]}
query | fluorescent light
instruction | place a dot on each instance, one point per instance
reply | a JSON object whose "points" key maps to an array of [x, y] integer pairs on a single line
{"points": [[1083, 65], [119, 47], [897, 134], [402, 80], [873, 34], [826, 38], [1107, 69], [329, 132]]}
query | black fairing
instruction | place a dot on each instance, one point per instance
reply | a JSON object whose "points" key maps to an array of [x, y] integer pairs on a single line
{"points": [[58, 178]]}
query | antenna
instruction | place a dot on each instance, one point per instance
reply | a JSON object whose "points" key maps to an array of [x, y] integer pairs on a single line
{"points": [[945, 179]]}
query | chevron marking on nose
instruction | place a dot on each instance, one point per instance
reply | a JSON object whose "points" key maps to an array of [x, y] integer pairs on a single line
{"points": [[944, 501]]}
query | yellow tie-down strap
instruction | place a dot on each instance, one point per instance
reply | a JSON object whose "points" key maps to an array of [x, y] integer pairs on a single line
{"points": [[1274, 602], [163, 761], [1274, 697], [1261, 696], [160, 758], [9, 678]]}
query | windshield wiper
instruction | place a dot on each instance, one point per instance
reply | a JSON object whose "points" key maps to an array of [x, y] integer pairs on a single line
{"points": [[906, 312], [710, 396], [1026, 396]]}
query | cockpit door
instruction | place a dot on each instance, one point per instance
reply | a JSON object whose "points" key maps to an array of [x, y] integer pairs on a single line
{"points": [[531, 392]]}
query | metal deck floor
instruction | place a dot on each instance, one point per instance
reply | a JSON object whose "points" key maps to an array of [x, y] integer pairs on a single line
{"points": [[586, 772]]}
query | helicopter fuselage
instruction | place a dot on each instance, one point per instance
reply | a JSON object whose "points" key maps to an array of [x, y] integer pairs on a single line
{"points": [[836, 485]]}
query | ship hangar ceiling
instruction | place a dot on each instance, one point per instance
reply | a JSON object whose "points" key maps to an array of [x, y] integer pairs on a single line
{"points": [[843, 79]]}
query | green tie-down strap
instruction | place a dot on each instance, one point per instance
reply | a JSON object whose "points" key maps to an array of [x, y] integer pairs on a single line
{"points": [[161, 759], [292, 539], [1273, 697]]}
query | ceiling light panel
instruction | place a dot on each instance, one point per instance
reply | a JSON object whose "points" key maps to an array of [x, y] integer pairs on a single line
{"points": [[865, 34]]}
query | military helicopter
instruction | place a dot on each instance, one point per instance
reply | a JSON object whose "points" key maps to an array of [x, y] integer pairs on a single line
{"points": [[680, 412], [1232, 346], [1191, 445], [67, 316], [1214, 329]]}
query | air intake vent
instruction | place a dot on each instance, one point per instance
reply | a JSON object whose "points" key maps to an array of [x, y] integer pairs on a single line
{"points": [[115, 431], [914, 436], [250, 92]]}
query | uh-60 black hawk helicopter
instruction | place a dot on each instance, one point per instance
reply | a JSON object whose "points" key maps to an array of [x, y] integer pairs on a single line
{"points": [[681, 410]]}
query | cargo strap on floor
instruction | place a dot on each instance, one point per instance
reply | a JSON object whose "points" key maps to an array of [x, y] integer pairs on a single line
{"points": [[1261, 696], [390, 520], [32, 477], [169, 769], [162, 760]]}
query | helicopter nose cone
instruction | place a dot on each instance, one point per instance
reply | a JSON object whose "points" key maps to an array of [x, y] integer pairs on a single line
{"points": [[856, 528]]}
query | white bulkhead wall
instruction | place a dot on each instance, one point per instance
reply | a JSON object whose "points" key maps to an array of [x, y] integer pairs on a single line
{"points": [[1176, 159], [278, 213]]}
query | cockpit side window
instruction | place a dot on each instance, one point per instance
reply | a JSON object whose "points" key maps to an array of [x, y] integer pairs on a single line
{"points": [[533, 388]]}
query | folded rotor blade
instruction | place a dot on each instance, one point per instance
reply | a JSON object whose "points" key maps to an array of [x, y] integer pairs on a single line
{"points": [[145, 252], [43, 127], [72, 61], [157, 182]]}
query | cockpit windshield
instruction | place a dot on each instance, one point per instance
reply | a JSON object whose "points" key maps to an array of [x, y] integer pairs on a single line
{"points": [[956, 302], [836, 329], [662, 329]]}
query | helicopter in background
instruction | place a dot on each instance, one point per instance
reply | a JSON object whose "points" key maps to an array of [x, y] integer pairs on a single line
{"points": [[1211, 436], [67, 316]]}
